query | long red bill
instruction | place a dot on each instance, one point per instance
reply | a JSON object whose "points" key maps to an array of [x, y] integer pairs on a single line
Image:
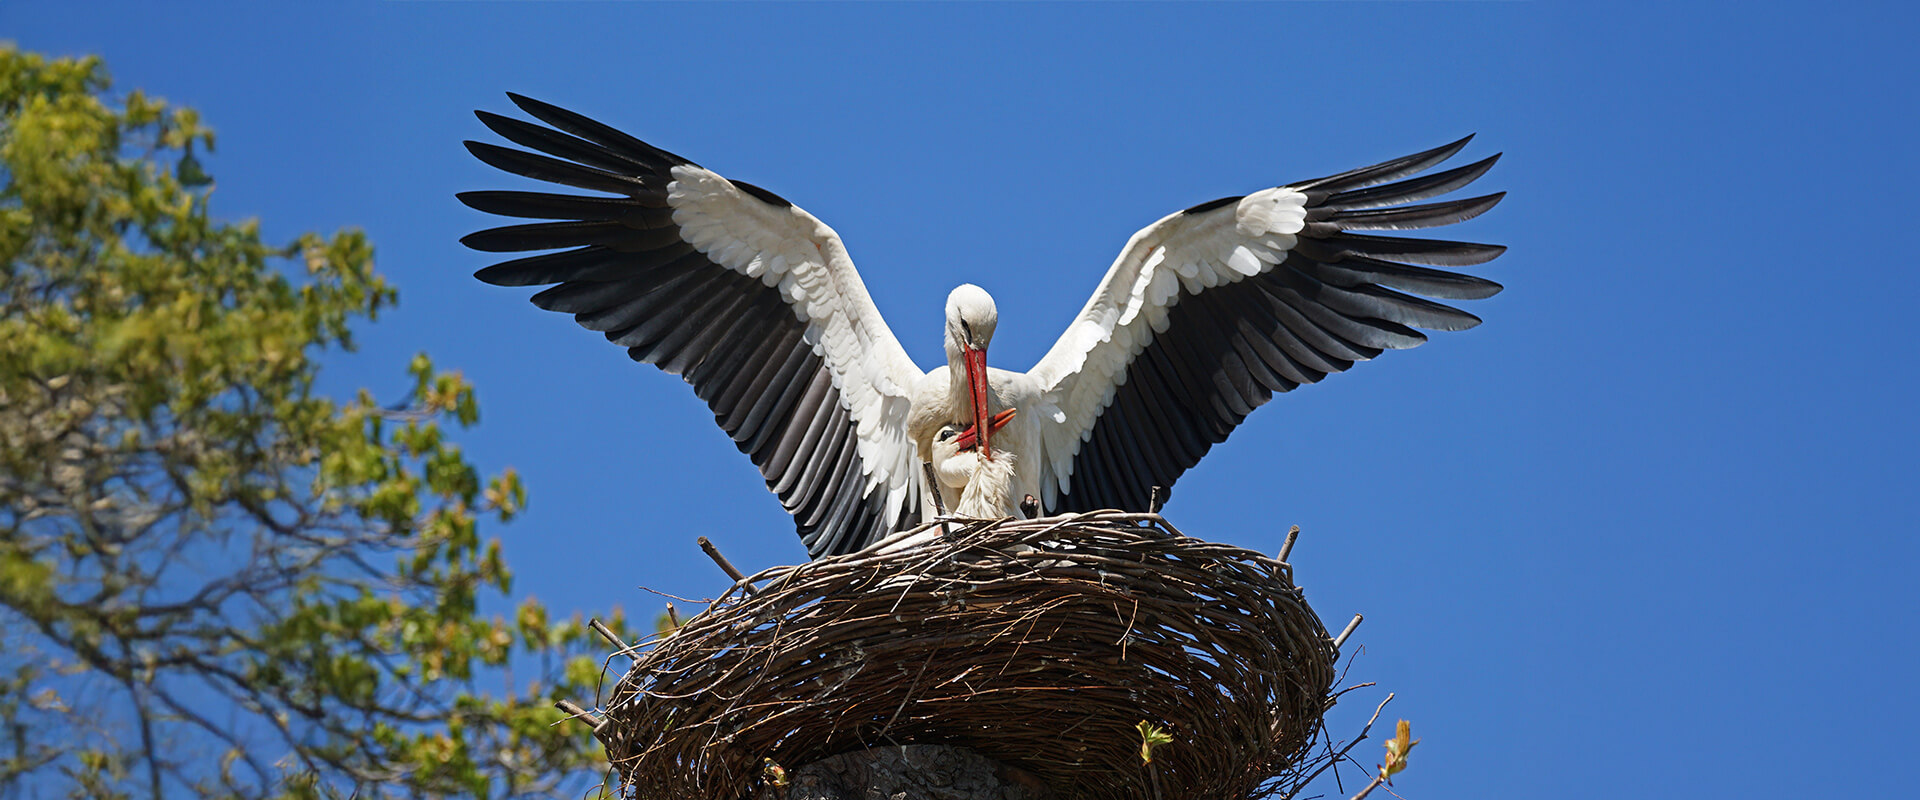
{"points": [[966, 440], [977, 388]]}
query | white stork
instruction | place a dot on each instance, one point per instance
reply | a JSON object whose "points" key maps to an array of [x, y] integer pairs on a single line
{"points": [[755, 303], [970, 484]]}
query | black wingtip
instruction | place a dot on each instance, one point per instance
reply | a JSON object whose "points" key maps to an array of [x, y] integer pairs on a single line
{"points": [[1428, 158], [593, 130], [1446, 151], [538, 108], [1392, 169], [1486, 164], [502, 274], [491, 120], [528, 104], [500, 158], [478, 241], [482, 114], [1404, 191]]}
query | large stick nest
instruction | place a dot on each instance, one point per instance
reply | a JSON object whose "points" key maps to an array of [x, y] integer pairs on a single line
{"points": [[1038, 643]]}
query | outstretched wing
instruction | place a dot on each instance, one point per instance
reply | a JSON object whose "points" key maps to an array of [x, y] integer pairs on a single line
{"points": [[750, 299], [1208, 312]]}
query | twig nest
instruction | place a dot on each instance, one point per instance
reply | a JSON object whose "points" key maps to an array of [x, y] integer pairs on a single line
{"points": [[1042, 644]]}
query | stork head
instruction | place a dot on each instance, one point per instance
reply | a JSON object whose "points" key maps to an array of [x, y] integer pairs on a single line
{"points": [[953, 462], [971, 319]]}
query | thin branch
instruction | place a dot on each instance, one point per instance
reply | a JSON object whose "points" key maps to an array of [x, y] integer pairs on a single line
{"points": [[1344, 750], [1342, 638], [608, 634], [725, 565], [1377, 780], [147, 742], [1286, 549], [574, 711]]}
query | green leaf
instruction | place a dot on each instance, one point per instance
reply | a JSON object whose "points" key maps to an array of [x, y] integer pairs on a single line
{"points": [[1150, 738]]}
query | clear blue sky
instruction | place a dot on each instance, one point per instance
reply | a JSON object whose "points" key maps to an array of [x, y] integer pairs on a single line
{"points": [[1642, 534]]}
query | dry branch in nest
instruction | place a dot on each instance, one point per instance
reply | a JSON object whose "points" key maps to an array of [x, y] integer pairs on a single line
{"points": [[1040, 644]]}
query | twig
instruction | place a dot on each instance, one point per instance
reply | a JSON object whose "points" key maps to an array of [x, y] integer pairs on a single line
{"points": [[574, 711], [1293, 535], [1344, 750], [939, 506], [611, 637], [725, 565], [1342, 638], [1335, 697], [933, 485], [1153, 501], [673, 616], [1377, 780]]}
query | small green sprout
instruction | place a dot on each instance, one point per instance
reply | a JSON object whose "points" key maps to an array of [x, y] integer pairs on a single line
{"points": [[1151, 737]]}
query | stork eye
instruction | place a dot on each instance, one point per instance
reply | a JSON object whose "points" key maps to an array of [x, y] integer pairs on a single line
{"points": [[966, 330], [947, 434]]}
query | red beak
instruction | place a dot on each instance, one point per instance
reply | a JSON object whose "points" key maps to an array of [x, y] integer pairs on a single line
{"points": [[966, 440], [977, 388]]}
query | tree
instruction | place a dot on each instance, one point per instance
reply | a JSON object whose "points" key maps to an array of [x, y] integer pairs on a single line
{"points": [[214, 581]]}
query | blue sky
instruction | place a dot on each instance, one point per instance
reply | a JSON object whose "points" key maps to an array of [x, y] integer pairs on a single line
{"points": [[1643, 533]]}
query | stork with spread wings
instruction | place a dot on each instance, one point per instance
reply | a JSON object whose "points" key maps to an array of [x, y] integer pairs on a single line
{"points": [[1203, 317]]}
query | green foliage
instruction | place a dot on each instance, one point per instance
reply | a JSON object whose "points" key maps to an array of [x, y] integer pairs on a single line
{"points": [[1151, 736], [212, 580]]}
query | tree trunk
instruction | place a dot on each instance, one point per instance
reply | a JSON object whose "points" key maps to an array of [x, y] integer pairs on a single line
{"points": [[909, 772]]}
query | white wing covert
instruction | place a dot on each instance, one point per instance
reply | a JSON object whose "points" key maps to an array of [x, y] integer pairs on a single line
{"points": [[1210, 311], [750, 299]]}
